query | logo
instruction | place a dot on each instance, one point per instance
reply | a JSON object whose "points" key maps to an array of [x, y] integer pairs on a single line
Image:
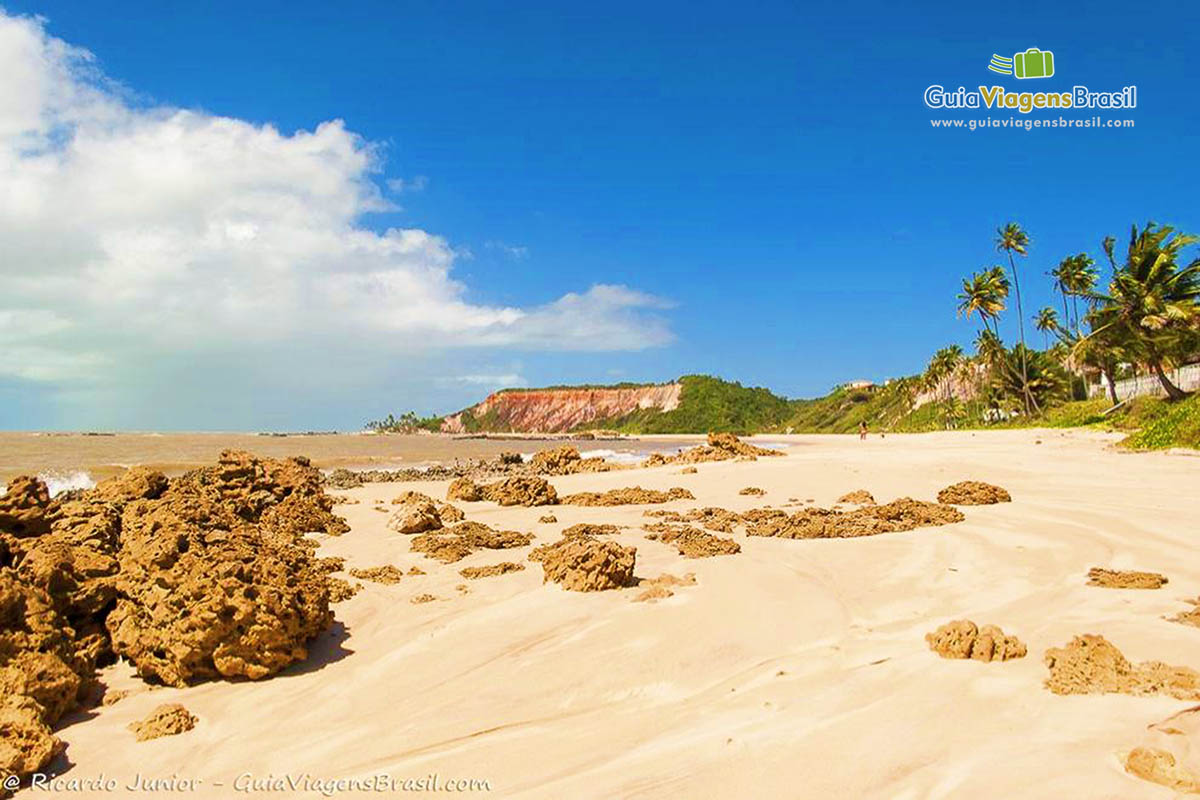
{"points": [[1033, 63]]}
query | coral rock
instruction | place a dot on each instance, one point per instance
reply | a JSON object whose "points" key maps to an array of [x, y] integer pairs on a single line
{"points": [[1092, 665], [584, 564], [387, 574], [691, 542], [521, 490], [973, 493], [859, 497], [169, 719], [1124, 579], [464, 489], [660, 588], [635, 495], [458, 542], [962, 639], [491, 570], [566, 460], [1169, 755]]}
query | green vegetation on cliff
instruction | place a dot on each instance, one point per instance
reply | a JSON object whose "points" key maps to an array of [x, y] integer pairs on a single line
{"points": [[707, 404]]}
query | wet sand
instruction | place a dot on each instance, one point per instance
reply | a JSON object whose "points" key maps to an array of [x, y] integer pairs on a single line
{"points": [[795, 668]]}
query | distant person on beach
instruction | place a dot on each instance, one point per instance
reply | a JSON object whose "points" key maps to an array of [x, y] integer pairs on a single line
{"points": [[862, 431]]}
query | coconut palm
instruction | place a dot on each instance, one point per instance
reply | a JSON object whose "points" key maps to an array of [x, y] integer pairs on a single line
{"points": [[1043, 381], [1012, 239], [1074, 277], [1100, 350], [984, 293], [954, 412], [988, 347], [1152, 309], [1046, 321], [942, 366]]}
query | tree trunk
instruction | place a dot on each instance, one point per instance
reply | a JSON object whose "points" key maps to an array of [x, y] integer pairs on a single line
{"points": [[1173, 392], [1112, 385], [1021, 329]]}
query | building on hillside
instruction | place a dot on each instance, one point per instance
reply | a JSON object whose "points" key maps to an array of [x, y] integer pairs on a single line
{"points": [[858, 384]]}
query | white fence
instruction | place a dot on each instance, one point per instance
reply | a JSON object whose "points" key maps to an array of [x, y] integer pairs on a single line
{"points": [[1186, 378]]}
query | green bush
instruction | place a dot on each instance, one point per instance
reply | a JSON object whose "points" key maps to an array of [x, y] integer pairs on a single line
{"points": [[1167, 425]]}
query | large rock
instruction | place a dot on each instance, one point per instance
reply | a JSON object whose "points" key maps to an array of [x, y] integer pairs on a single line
{"points": [[216, 579], [584, 564], [521, 490], [565, 460], [1091, 664], [208, 575], [24, 507]]}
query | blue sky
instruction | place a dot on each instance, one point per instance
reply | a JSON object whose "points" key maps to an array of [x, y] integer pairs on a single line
{"points": [[762, 179]]}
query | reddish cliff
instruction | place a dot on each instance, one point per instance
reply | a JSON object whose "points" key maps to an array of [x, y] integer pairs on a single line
{"points": [[557, 410]]}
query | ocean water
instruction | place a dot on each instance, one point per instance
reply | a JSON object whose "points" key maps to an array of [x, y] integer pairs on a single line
{"points": [[76, 460]]}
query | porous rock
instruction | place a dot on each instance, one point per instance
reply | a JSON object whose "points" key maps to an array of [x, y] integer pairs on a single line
{"points": [[963, 639]]}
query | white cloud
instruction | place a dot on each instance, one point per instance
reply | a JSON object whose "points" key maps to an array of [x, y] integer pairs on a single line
{"points": [[513, 251], [138, 235], [509, 380], [410, 185]]}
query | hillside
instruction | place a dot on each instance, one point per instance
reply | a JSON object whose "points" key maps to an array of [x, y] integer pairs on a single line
{"points": [[692, 404], [560, 409]]}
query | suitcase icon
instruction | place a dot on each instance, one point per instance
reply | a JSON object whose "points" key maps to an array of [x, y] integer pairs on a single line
{"points": [[1033, 63]]}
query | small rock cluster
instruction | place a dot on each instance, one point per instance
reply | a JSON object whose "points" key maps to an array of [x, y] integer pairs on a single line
{"points": [[963, 639]]}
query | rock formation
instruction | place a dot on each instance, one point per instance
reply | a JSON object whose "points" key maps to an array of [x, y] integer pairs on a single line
{"points": [[169, 719], [559, 410], [585, 564], [1092, 665], [973, 493], [419, 513], [634, 495], [962, 639], [662, 587], [464, 489], [457, 542], [590, 529], [752, 491], [565, 460], [386, 574], [859, 497], [517, 490], [1168, 754], [904, 514], [521, 490], [720, 447], [491, 570], [692, 542], [204, 576], [1124, 579]]}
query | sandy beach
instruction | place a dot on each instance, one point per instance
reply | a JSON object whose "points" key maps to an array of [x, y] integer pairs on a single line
{"points": [[795, 668]]}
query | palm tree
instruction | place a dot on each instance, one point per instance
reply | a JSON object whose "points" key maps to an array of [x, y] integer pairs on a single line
{"points": [[984, 293], [988, 347], [1044, 380], [1075, 276], [942, 366], [954, 413], [1101, 350], [1152, 309], [1046, 321], [1012, 239]]}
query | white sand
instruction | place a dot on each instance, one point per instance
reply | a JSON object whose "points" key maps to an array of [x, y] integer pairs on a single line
{"points": [[794, 669]]}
